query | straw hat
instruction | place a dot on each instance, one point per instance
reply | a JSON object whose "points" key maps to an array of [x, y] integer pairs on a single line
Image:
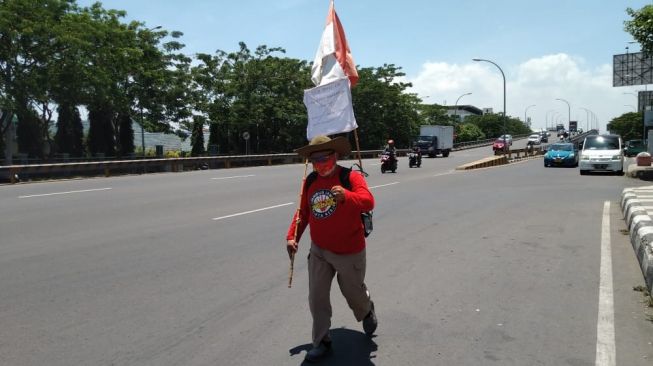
{"points": [[323, 143]]}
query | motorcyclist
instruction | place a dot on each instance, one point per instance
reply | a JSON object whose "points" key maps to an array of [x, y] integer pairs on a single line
{"points": [[416, 154], [390, 149]]}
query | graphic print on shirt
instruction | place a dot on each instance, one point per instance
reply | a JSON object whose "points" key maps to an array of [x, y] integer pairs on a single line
{"points": [[323, 204]]}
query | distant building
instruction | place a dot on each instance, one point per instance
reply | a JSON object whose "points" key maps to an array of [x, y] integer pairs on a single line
{"points": [[169, 141], [463, 111]]}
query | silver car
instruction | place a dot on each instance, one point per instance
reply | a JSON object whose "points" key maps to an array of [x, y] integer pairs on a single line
{"points": [[507, 138], [535, 139]]}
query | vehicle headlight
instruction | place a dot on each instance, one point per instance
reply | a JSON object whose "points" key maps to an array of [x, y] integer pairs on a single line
{"points": [[570, 156], [616, 157], [584, 157]]}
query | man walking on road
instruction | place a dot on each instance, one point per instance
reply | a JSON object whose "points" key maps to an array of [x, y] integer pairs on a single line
{"points": [[337, 238]]}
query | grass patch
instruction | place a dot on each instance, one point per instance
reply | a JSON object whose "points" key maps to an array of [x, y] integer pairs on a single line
{"points": [[648, 300]]}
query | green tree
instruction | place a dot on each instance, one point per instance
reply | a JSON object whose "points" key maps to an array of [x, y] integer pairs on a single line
{"points": [[641, 26], [101, 138], [492, 125], [28, 134], [125, 142], [469, 132], [197, 136], [383, 109], [69, 136], [629, 126], [28, 47], [435, 114], [258, 92]]}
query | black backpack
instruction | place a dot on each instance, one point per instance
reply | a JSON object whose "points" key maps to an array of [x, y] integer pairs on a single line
{"points": [[366, 217]]}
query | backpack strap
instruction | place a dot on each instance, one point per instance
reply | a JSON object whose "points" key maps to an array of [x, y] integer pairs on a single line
{"points": [[344, 179], [309, 180]]}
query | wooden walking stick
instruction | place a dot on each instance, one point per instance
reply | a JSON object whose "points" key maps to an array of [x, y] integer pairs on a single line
{"points": [[297, 220], [358, 149]]}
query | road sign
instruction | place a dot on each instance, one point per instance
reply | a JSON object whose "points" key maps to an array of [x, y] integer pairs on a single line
{"points": [[246, 135]]}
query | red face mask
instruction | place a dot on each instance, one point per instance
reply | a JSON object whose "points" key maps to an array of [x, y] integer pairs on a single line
{"points": [[324, 167]]}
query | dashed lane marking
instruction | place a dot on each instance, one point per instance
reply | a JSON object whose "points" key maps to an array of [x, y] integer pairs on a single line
{"points": [[253, 211], [384, 185], [68, 192], [235, 176]]}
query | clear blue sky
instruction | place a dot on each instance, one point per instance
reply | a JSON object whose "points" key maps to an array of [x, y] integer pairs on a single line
{"points": [[547, 49]]}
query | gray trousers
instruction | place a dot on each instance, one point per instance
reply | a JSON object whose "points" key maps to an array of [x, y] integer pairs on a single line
{"points": [[323, 265]]}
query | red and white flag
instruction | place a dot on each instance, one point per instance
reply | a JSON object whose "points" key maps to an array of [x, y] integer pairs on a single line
{"points": [[333, 59]]}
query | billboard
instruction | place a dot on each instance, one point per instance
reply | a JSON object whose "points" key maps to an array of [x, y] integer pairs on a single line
{"points": [[648, 118], [644, 101], [573, 126], [632, 69]]}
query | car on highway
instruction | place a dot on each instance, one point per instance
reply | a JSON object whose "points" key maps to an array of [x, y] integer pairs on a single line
{"points": [[634, 147], [544, 136], [508, 139], [499, 145], [602, 153], [535, 139], [561, 154]]}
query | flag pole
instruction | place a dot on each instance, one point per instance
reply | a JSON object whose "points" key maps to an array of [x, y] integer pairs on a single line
{"points": [[358, 149], [297, 220]]}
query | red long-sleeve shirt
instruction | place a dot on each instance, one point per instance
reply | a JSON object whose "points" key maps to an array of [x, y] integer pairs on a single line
{"points": [[336, 227]]}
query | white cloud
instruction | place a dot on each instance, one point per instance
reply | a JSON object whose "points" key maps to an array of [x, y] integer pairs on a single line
{"points": [[538, 81]]}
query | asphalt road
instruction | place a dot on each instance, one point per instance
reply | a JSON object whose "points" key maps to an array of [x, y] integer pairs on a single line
{"points": [[498, 266]]}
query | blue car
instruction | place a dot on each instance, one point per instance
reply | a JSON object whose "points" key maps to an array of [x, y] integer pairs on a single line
{"points": [[561, 154]]}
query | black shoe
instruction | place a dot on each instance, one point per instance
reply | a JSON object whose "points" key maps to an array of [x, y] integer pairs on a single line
{"points": [[319, 352], [370, 323]]}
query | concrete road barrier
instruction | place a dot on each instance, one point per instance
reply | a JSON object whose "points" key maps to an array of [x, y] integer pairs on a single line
{"points": [[484, 163], [637, 206]]}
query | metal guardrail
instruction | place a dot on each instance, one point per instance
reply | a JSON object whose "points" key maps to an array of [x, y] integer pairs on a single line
{"points": [[16, 173], [519, 153]]}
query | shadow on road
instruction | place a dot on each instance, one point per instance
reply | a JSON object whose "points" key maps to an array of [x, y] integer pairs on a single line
{"points": [[350, 347]]}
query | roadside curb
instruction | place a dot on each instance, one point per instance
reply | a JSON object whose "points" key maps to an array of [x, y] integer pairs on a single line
{"points": [[637, 206]]}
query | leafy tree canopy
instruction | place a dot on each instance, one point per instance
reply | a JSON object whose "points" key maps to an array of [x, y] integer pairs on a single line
{"points": [[628, 125], [641, 26]]}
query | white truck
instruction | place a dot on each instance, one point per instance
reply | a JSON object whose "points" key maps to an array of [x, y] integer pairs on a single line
{"points": [[435, 140]]}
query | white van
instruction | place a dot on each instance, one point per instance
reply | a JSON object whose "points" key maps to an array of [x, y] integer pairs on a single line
{"points": [[602, 152]]}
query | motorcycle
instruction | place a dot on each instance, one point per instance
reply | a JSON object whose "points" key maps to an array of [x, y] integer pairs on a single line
{"points": [[388, 162], [414, 159]]}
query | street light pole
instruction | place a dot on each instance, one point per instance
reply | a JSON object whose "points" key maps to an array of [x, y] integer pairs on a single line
{"points": [[455, 111], [504, 90], [526, 110], [546, 118], [587, 118], [569, 110], [140, 104]]}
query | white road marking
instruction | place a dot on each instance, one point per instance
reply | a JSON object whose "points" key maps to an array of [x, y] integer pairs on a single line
{"points": [[445, 173], [252, 211], [605, 338], [384, 185], [235, 176], [69, 192]]}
